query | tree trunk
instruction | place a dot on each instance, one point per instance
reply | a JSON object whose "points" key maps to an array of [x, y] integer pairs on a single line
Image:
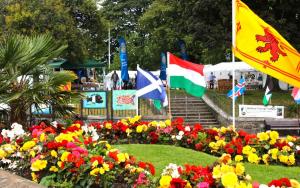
{"points": [[18, 113]]}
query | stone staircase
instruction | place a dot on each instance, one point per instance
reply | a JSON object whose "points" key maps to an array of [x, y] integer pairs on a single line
{"points": [[193, 110]]}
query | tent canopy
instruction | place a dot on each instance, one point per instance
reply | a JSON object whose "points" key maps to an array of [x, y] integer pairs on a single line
{"points": [[62, 63]]}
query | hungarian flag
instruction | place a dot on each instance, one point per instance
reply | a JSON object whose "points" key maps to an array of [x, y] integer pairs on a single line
{"points": [[186, 75], [296, 95], [260, 45], [268, 93]]}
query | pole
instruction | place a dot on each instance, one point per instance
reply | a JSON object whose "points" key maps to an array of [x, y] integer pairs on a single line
{"points": [[137, 101], [233, 60], [168, 85], [109, 47]]}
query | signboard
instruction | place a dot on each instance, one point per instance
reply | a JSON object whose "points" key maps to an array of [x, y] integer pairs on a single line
{"points": [[95, 99], [124, 100], [261, 111], [42, 109]]}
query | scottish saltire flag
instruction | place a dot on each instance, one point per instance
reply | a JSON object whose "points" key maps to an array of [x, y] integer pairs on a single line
{"points": [[150, 87], [123, 60], [239, 89], [296, 95], [163, 67], [182, 48]]}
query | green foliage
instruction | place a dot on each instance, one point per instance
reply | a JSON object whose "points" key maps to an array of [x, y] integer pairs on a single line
{"points": [[25, 78], [75, 23]]}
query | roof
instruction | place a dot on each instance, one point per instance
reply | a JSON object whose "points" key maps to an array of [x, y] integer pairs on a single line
{"points": [[62, 63]]}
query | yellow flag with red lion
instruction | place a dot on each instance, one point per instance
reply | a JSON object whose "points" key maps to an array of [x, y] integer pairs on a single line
{"points": [[260, 45]]}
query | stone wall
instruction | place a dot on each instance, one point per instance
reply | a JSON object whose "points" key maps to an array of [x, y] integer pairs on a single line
{"points": [[9, 180]]}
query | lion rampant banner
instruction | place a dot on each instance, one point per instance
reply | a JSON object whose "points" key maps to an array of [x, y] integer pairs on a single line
{"points": [[261, 46]]}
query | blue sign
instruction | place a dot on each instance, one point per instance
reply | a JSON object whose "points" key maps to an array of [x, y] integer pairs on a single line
{"points": [[124, 100], [41, 109], [163, 67], [95, 99], [123, 60]]}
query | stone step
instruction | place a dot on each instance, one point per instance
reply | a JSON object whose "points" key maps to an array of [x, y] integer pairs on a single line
{"points": [[191, 113], [189, 107]]}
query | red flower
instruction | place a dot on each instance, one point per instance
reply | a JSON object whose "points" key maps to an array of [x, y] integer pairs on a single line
{"points": [[78, 122], [113, 155], [199, 146], [280, 183], [177, 183], [1, 139], [97, 158], [79, 162]]}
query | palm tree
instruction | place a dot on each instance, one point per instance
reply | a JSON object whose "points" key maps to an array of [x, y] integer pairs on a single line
{"points": [[26, 79]]}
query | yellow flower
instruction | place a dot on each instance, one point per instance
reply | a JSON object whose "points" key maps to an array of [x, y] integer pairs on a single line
{"points": [[286, 148], [238, 158], [3, 154], [53, 169], [244, 185], [108, 125], [274, 135], [217, 172], [121, 157], [139, 129], [60, 164], [263, 136], [42, 137], [68, 137], [188, 185], [291, 138], [168, 122], [95, 172], [64, 156], [226, 168], [8, 148], [105, 166], [145, 128], [34, 177], [32, 153], [295, 183], [108, 146], [223, 130], [101, 170], [273, 153], [229, 179], [28, 145], [283, 159], [76, 125], [291, 159], [239, 169], [38, 165], [247, 150], [165, 181], [272, 142], [265, 158], [253, 158], [95, 164], [53, 153]]}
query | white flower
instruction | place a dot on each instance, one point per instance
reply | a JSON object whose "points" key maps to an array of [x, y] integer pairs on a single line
{"points": [[54, 124], [178, 137], [291, 144], [181, 133], [297, 148], [187, 129], [173, 137], [95, 136], [263, 186], [6, 161], [85, 128]]}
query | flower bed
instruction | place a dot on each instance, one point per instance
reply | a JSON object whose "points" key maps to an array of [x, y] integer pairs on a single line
{"points": [[69, 155]]}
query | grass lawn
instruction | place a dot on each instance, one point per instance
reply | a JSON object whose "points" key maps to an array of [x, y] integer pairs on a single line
{"points": [[161, 155], [255, 97]]}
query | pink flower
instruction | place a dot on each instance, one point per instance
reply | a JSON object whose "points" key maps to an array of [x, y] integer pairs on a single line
{"points": [[36, 158], [203, 185]]}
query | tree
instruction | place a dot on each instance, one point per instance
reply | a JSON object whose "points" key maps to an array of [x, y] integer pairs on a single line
{"points": [[76, 23], [21, 58]]}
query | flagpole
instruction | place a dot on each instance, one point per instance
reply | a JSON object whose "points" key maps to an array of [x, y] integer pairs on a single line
{"points": [[233, 60], [168, 86], [137, 103]]}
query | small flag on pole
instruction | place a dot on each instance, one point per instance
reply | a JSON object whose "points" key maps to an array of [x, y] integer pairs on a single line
{"points": [[268, 93], [150, 87], [239, 89], [296, 95]]}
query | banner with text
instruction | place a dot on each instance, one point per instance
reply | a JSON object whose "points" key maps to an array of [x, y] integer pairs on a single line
{"points": [[261, 111]]}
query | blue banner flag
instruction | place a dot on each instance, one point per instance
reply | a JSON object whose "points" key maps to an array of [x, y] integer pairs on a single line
{"points": [[163, 67], [239, 89], [150, 87], [123, 60], [182, 50]]}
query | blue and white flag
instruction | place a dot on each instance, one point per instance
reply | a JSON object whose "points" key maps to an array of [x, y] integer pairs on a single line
{"points": [[163, 67], [123, 60], [150, 87], [182, 48], [239, 89]]}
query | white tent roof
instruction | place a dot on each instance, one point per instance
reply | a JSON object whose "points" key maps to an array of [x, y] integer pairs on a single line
{"points": [[228, 66]]}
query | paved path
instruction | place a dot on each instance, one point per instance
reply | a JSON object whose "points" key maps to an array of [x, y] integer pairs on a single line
{"points": [[9, 180]]}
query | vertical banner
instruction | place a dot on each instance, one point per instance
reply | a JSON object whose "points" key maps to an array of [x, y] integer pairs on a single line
{"points": [[123, 60], [182, 48], [163, 67]]}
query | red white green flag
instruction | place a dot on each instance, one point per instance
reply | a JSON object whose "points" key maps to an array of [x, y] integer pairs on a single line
{"points": [[186, 75]]}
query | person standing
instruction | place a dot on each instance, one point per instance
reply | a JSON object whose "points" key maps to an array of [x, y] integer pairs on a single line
{"points": [[211, 80], [115, 79]]}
